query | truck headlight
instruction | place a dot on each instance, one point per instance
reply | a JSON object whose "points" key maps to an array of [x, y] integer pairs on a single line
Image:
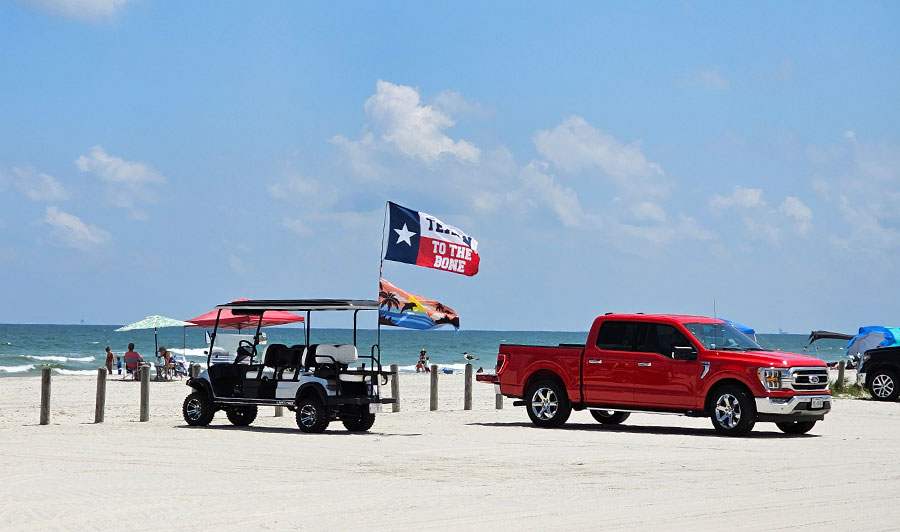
{"points": [[770, 378]]}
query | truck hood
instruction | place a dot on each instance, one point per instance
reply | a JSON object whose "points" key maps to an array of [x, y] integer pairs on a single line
{"points": [[781, 359]]}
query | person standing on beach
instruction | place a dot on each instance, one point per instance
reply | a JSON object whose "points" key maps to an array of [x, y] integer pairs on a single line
{"points": [[109, 360], [423, 362]]}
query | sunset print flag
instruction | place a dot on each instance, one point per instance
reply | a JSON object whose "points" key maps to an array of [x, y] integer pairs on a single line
{"points": [[402, 309], [419, 238]]}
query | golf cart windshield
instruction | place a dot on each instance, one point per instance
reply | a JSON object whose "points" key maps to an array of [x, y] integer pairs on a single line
{"points": [[722, 336]]}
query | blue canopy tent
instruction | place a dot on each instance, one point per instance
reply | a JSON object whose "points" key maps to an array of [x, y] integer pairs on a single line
{"points": [[743, 328], [871, 337]]}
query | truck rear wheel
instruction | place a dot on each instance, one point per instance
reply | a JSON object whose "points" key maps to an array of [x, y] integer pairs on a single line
{"points": [[610, 417], [796, 427], [733, 412], [548, 404], [883, 385]]}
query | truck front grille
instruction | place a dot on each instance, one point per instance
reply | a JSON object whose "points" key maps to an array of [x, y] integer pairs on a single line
{"points": [[811, 379]]}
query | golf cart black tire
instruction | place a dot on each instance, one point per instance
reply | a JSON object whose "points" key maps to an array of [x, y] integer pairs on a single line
{"points": [[610, 419], [312, 405], [796, 427], [201, 408], [889, 376], [563, 406], [360, 423], [747, 410], [241, 415]]}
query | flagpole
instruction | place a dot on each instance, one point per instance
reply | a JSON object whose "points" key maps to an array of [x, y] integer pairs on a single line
{"points": [[380, 271]]}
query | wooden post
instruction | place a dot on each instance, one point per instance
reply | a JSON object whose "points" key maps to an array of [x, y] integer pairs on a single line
{"points": [[840, 379], [45, 395], [395, 387], [101, 395], [498, 399], [145, 393], [467, 399], [434, 390], [195, 370], [279, 411]]}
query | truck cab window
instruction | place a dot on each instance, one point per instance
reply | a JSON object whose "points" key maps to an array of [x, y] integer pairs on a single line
{"points": [[662, 339], [618, 335]]}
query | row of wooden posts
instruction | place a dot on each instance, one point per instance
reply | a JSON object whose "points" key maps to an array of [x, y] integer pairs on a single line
{"points": [[100, 406]]}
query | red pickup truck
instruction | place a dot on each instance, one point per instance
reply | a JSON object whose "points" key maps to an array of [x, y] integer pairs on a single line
{"points": [[690, 365]]}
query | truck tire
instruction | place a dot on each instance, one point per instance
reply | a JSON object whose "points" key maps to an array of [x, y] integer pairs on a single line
{"points": [[732, 411], [241, 415], [311, 415], [198, 410], [548, 405], [883, 385], [796, 427], [610, 417]]}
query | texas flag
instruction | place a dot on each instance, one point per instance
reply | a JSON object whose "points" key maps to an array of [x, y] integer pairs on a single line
{"points": [[419, 238]]}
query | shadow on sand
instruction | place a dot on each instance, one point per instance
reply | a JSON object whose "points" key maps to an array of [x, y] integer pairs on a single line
{"points": [[295, 430], [645, 429]]}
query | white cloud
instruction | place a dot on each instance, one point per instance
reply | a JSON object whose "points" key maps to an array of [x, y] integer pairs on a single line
{"points": [[544, 189], [38, 186], [574, 145], [397, 121], [796, 209], [70, 231], [739, 197], [81, 9], [759, 219], [296, 225], [708, 78], [453, 103], [238, 265], [850, 135], [115, 169], [128, 183], [648, 211], [301, 189]]}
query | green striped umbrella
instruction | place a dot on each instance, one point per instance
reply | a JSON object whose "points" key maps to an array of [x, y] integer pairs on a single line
{"points": [[154, 322]]}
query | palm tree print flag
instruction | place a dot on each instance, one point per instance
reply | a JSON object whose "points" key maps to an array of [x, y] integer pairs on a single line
{"points": [[418, 238], [399, 308]]}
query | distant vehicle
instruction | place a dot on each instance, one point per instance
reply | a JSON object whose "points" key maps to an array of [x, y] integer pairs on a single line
{"points": [[316, 381], [688, 365]]}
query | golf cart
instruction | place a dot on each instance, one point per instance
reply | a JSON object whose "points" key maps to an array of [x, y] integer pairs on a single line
{"points": [[314, 380]]}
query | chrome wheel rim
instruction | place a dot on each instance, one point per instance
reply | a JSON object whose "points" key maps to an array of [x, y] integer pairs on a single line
{"points": [[308, 415], [194, 408], [882, 385], [728, 411], [544, 403]]}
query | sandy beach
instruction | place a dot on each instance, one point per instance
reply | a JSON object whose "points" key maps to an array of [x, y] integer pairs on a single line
{"points": [[452, 469]]}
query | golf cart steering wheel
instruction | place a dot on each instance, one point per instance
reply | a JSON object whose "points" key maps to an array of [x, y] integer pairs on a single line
{"points": [[244, 352]]}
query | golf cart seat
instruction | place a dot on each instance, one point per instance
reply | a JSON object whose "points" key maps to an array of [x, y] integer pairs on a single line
{"points": [[319, 354]]}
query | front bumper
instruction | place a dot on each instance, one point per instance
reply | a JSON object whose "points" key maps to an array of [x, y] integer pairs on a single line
{"points": [[796, 408]]}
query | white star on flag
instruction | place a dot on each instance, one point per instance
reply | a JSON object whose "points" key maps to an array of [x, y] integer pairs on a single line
{"points": [[405, 235]]}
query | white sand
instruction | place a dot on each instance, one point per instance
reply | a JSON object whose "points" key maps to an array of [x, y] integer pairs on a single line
{"points": [[451, 469]]}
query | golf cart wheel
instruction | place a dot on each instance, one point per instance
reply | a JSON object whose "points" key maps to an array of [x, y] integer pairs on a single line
{"points": [[360, 422], [198, 410], [610, 417], [733, 412], [548, 404], [311, 415], [796, 427], [883, 385], [241, 416]]}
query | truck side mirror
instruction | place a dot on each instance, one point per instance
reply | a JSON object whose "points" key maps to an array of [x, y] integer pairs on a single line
{"points": [[685, 352]]}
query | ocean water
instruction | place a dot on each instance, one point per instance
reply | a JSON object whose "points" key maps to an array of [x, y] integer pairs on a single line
{"points": [[80, 349]]}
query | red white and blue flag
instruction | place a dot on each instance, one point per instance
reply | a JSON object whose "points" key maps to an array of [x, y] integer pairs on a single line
{"points": [[418, 238]]}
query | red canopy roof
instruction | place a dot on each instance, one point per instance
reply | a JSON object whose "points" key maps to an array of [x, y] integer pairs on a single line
{"points": [[227, 320]]}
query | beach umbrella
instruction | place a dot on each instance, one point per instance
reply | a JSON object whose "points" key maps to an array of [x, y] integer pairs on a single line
{"points": [[155, 323], [229, 320]]}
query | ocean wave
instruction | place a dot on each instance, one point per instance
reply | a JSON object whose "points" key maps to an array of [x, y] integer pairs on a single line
{"points": [[16, 369], [54, 358], [62, 371], [197, 352]]}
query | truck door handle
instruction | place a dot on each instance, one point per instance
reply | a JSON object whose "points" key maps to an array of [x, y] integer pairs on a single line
{"points": [[595, 361], [645, 364]]}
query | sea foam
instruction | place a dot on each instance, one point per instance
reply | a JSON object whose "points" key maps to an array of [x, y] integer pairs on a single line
{"points": [[16, 369]]}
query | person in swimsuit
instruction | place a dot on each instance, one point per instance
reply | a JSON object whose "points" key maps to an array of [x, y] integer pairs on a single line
{"points": [[109, 360]]}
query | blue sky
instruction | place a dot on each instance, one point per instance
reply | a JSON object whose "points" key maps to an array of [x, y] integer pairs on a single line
{"points": [[163, 157]]}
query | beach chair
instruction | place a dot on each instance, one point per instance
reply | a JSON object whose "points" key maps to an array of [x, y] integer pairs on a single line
{"points": [[132, 368], [179, 366]]}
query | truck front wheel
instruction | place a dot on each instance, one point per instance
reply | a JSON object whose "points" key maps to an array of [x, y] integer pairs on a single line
{"points": [[548, 404], [610, 417], [733, 411], [796, 427]]}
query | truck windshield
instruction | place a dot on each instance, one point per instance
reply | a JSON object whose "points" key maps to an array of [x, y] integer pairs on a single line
{"points": [[722, 336]]}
